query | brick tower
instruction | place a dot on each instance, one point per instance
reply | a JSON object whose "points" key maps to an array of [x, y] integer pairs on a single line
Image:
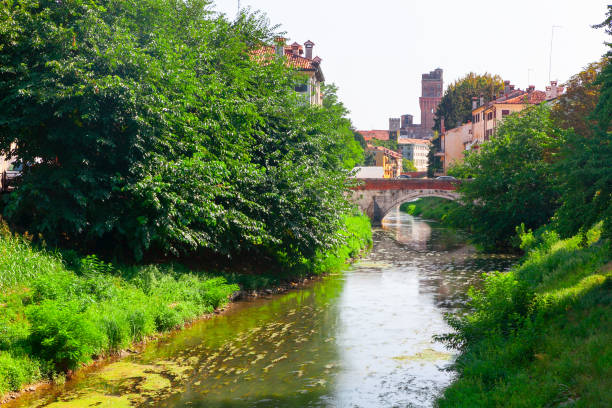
{"points": [[431, 95]]}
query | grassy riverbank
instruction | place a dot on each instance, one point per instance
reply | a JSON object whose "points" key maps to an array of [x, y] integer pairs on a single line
{"points": [[58, 314], [540, 335], [432, 208]]}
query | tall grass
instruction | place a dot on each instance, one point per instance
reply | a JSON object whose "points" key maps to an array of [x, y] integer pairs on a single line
{"points": [[541, 334], [53, 318]]}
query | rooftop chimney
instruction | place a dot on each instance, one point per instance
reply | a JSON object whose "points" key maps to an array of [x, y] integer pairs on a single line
{"points": [[279, 48], [474, 102], [552, 91], [506, 87], [309, 44], [531, 88], [295, 48], [481, 100]]}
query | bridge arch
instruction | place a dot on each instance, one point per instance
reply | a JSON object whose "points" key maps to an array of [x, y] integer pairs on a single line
{"points": [[376, 197]]}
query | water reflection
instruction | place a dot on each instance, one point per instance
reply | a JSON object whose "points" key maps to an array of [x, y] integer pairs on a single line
{"points": [[359, 339]]}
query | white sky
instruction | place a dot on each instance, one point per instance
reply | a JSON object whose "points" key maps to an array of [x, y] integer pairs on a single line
{"points": [[376, 51]]}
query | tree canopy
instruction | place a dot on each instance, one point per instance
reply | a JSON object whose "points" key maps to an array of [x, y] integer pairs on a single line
{"points": [[585, 161], [573, 108], [456, 104], [513, 181], [147, 126]]}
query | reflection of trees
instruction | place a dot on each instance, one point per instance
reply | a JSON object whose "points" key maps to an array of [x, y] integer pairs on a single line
{"points": [[447, 265], [281, 350]]}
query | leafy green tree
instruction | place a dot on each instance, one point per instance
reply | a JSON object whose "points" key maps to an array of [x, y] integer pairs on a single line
{"points": [[434, 164], [514, 181], [346, 145], [585, 163], [408, 165], [389, 144], [456, 104], [147, 127], [573, 108]]}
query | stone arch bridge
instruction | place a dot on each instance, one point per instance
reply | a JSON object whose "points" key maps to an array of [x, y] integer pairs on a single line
{"points": [[376, 197]]}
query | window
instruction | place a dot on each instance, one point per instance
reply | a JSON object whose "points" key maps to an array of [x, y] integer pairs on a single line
{"points": [[301, 88], [490, 116], [505, 112]]}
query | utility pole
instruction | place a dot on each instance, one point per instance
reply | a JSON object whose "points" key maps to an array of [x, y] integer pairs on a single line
{"points": [[552, 33]]}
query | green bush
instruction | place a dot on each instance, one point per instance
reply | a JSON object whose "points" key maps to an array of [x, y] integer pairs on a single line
{"points": [[16, 371], [61, 332], [141, 323], [535, 327]]}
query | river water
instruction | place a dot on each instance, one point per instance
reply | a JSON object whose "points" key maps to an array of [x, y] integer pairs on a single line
{"points": [[362, 338]]}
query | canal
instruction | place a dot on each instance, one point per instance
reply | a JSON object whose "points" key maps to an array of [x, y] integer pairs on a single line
{"points": [[362, 338]]}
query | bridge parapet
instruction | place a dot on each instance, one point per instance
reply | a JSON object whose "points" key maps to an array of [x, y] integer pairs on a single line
{"points": [[376, 197], [407, 184]]}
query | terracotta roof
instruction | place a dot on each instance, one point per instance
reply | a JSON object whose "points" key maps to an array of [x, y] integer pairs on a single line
{"points": [[374, 134], [386, 151], [519, 96], [412, 141], [531, 98], [267, 52]]}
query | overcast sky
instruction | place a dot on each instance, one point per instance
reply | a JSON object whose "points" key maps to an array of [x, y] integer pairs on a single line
{"points": [[376, 51]]}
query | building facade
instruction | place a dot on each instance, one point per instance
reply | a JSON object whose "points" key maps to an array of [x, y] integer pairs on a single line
{"points": [[389, 160], [301, 60], [452, 145], [415, 150], [486, 117]]}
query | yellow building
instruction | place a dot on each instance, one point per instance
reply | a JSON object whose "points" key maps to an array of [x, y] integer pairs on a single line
{"points": [[389, 160]]}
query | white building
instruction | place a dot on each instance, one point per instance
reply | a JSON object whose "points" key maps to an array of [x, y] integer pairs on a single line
{"points": [[415, 150], [369, 172]]}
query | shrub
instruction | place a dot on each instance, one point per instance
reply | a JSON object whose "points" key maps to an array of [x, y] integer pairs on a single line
{"points": [[16, 371], [62, 333], [141, 323]]}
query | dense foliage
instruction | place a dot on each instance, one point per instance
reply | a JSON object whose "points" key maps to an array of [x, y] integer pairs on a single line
{"points": [[408, 165], [541, 334], [586, 168], [513, 181], [573, 108], [147, 126]]}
